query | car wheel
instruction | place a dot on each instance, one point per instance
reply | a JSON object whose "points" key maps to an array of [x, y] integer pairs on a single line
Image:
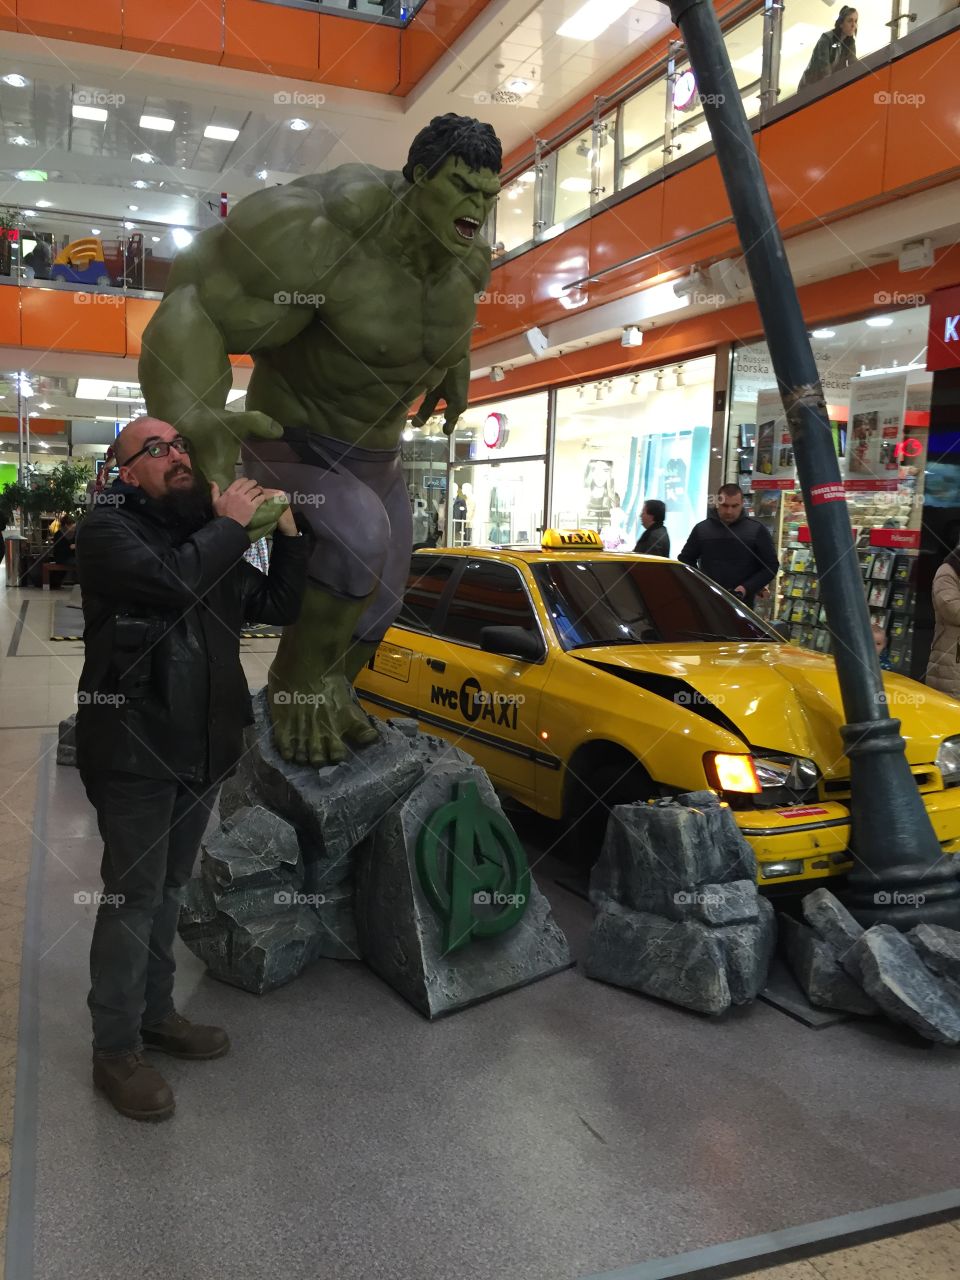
{"points": [[592, 796]]}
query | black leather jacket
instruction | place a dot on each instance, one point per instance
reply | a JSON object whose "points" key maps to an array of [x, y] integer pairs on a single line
{"points": [[162, 692], [654, 541]]}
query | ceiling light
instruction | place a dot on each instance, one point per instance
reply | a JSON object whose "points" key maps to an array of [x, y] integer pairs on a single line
{"points": [[497, 374], [94, 231], [19, 141], [45, 405], [631, 336], [15, 80], [529, 175], [140, 184], [133, 207], [99, 114], [679, 375], [519, 86], [163, 124], [593, 18], [155, 239], [823, 334], [181, 237], [93, 389], [298, 125], [576, 184], [221, 133], [659, 379], [31, 175], [261, 175], [29, 213], [44, 204], [144, 157], [880, 322]]}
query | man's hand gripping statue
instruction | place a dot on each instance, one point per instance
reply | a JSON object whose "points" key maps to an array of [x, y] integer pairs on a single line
{"points": [[355, 293]]}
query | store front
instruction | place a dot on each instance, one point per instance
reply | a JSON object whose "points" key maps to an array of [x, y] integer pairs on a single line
{"points": [[878, 394], [577, 457]]}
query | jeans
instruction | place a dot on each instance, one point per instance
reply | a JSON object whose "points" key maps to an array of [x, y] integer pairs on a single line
{"points": [[151, 830]]}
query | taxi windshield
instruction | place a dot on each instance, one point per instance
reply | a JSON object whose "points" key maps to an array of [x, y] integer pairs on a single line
{"points": [[594, 602]]}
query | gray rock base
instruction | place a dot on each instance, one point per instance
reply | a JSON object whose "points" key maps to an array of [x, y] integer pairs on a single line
{"points": [[897, 979], [831, 920], [401, 936], [678, 912], [938, 948], [814, 965]]}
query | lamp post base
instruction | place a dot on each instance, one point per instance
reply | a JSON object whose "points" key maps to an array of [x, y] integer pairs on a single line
{"points": [[902, 877]]}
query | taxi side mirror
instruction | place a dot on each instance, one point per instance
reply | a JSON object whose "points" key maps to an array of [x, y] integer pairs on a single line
{"points": [[512, 642]]}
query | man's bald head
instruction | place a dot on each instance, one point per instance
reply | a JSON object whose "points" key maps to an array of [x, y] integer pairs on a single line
{"points": [[136, 433]]}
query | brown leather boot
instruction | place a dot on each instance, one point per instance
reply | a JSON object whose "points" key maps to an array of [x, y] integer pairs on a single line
{"points": [[136, 1089], [182, 1038]]}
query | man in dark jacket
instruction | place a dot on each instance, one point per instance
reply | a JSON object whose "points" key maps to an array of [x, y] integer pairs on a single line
{"points": [[162, 705], [654, 541], [734, 550]]}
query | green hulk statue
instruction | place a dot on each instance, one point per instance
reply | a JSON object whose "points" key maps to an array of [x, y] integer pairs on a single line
{"points": [[355, 293]]}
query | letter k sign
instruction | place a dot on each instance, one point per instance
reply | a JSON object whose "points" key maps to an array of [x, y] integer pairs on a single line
{"points": [[950, 329]]}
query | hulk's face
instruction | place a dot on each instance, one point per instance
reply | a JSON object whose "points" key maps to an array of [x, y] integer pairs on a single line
{"points": [[453, 205]]}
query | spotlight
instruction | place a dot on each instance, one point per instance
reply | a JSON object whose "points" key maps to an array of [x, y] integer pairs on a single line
{"points": [[680, 381], [635, 385], [537, 341], [659, 379], [690, 284], [497, 374], [631, 336]]}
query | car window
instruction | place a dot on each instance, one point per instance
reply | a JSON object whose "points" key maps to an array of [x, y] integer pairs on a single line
{"points": [[632, 602], [488, 595], [428, 577]]}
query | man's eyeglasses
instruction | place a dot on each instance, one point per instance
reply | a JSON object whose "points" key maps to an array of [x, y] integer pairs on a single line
{"points": [[160, 449]]}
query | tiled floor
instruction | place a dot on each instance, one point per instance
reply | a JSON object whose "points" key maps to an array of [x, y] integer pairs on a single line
{"points": [[37, 684]]}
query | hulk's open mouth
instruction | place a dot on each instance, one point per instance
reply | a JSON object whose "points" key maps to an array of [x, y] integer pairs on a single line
{"points": [[467, 228]]}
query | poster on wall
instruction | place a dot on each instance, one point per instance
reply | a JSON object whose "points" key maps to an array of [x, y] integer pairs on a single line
{"points": [[773, 462], [875, 430]]}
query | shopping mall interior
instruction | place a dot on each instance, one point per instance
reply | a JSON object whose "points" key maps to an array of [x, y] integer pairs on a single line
{"points": [[577, 1126]]}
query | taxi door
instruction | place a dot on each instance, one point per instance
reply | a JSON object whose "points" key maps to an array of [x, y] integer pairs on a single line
{"points": [[487, 703], [390, 684]]}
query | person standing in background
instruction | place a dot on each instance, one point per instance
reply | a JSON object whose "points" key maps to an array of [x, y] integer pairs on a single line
{"points": [[943, 669], [834, 50], [654, 541], [733, 549]]}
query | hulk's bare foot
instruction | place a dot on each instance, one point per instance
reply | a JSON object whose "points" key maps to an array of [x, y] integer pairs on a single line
{"points": [[313, 725]]}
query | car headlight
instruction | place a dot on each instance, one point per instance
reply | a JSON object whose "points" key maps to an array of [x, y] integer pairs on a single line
{"points": [[753, 775], [948, 761]]}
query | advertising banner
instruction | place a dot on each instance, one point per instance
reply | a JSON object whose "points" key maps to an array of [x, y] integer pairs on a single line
{"points": [[875, 431], [773, 462]]}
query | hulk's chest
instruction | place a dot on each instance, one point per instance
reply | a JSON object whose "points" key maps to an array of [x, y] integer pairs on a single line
{"points": [[381, 312]]}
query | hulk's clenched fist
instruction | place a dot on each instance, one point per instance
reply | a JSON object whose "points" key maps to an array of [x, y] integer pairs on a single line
{"points": [[355, 293]]}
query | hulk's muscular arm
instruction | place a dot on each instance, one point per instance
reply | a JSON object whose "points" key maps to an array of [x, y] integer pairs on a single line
{"points": [[231, 292]]}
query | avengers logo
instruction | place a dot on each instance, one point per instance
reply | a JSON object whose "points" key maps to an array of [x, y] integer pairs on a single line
{"points": [[472, 869]]}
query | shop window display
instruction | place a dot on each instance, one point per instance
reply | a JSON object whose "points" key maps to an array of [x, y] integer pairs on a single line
{"points": [[878, 402], [624, 440], [423, 455]]}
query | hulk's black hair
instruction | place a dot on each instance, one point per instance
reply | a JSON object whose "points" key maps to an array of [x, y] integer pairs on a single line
{"points": [[472, 141]]}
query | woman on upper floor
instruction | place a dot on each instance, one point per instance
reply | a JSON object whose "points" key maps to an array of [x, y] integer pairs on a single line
{"points": [[834, 50]]}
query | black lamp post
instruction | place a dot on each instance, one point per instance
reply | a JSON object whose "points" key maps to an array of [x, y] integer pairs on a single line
{"points": [[901, 875]]}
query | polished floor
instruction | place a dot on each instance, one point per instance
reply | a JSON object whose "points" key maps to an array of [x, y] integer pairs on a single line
{"points": [[565, 1131]]}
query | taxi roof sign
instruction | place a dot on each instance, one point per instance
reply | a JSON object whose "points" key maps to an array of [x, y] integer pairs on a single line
{"points": [[571, 539]]}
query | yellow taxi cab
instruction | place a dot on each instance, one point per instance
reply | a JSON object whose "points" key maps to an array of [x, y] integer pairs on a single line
{"points": [[580, 678]]}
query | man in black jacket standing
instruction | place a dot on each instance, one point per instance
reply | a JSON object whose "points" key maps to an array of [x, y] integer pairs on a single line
{"points": [[731, 548], [162, 705], [654, 541]]}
